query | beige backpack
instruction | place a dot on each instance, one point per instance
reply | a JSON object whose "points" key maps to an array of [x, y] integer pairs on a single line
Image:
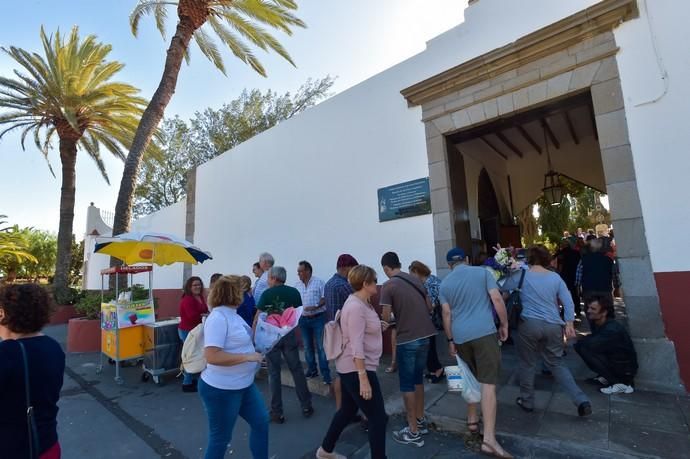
{"points": [[193, 360]]}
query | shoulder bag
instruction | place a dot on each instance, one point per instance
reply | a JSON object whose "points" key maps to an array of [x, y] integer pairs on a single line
{"points": [[514, 304], [30, 419]]}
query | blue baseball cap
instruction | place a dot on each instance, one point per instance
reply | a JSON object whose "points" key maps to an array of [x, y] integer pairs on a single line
{"points": [[455, 254]]}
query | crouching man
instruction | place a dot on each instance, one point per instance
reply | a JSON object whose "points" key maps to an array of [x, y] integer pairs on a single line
{"points": [[608, 351]]}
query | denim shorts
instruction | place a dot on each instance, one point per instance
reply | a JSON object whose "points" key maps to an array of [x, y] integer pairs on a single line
{"points": [[411, 363]]}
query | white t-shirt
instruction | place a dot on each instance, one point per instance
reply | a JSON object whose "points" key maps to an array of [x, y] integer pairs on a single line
{"points": [[225, 329]]}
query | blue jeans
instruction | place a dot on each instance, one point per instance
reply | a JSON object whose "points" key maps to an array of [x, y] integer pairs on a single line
{"points": [[223, 407], [411, 363], [312, 337], [187, 378]]}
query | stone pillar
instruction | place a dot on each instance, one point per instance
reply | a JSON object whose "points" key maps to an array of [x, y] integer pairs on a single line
{"points": [[656, 354]]}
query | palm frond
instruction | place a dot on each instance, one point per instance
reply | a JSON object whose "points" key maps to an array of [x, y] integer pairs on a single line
{"points": [[209, 49], [234, 22]]}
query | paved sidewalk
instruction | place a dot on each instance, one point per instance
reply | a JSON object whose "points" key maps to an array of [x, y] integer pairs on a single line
{"points": [[99, 418]]}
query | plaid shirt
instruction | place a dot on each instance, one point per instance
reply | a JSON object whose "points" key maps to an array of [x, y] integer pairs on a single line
{"points": [[336, 292], [311, 295]]}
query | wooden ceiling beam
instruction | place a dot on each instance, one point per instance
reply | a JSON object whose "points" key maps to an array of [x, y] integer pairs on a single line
{"points": [[593, 121], [571, 127], [528, 137], [552, 136], [493, 147], [508, 143]]}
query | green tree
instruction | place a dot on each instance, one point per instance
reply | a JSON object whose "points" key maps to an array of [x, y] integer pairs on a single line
{"points": [[67, 92], [238, 24], [162, 181], [554, 219], [43, 246]]}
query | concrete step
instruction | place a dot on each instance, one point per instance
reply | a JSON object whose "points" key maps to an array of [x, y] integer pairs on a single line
{"points": [[316, 385]]}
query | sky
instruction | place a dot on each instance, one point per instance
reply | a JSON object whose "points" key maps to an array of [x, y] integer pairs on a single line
{"points": [[350, 40]]}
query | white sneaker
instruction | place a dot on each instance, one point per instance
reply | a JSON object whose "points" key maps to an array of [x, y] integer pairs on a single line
{"points": [[322, 454], [617, 389]]}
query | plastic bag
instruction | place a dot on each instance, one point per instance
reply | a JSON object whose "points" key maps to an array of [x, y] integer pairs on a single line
{"points": [[268, 334], [471, 390]]}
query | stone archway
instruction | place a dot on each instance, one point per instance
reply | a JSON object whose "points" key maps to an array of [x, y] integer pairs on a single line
{"points": [[562, 60]]}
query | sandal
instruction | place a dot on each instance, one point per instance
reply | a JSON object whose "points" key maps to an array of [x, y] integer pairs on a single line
{"points": [[491, 451], [519, 402]]}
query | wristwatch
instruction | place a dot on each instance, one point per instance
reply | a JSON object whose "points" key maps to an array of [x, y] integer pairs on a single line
{"points": [[450, 340]]}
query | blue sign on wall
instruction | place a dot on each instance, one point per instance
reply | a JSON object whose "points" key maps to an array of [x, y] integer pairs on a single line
{"points": [[402, 200]]}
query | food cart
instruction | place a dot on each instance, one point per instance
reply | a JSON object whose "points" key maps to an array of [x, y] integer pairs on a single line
{"points": [[122, 319], [129, 329]]}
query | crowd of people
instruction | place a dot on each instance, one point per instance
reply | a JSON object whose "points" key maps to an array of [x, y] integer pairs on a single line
{"points": [[467, 309]]}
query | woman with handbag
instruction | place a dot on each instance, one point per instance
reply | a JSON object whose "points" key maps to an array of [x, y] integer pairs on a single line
{"points": [[356, 365], [435, 372], [31, 369], [540, 328]]}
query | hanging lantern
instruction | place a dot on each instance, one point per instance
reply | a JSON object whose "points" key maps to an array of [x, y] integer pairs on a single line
{"points": [[553, 190]]}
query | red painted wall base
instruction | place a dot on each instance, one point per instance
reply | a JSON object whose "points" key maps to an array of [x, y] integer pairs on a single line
{"points": [[675, 308]]}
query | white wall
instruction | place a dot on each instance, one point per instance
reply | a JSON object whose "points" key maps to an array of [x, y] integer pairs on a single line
{"points": [[658, 115], [168, 220], [306, 189]]}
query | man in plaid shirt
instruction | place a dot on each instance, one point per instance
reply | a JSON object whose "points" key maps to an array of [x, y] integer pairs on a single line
{"points": [[336, 292]]}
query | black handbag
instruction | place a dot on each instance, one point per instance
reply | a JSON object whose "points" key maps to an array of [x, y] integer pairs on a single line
{"points": [[514, 304], [30, 418]]}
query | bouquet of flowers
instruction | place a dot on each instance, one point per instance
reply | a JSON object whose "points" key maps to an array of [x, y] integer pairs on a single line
{"points": [[273, 324], [505, 260], [503, 263]]}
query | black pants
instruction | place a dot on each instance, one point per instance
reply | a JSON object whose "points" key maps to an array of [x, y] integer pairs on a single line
{"points": [[601, 364], [373, 409], [432, 362], [575, 294]]}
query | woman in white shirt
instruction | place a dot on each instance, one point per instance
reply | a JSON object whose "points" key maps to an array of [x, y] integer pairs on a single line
{"points": [[227, 386]]}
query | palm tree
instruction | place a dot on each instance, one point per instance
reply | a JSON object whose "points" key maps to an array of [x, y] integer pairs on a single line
{"points": [[68, 93], [13, 245], [238, 25]]}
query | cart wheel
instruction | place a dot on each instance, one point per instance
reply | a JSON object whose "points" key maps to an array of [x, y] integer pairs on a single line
{"points": [[99, 369], [111, 361], [145, 376], [119, 380]]}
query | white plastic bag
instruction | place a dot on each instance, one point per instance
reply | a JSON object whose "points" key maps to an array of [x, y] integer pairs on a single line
{"points": [[267, 335], [471, 390]]}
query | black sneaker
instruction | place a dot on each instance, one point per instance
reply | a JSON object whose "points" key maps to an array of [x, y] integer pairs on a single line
{"points": [[405, 437], [311, 374], [189, 388], [585, 409], [307, 412]]}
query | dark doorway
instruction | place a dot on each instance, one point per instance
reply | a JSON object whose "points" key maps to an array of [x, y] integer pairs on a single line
{"points": [[489, 212]]}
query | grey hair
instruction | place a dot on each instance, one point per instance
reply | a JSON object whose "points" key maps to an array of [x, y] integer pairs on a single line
{"points": [[278, 273], [267, 257]]}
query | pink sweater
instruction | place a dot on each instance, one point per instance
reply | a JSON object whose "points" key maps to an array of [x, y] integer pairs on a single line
{"points": [[362, 339]]}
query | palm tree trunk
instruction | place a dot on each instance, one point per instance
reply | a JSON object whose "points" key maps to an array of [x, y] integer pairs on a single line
{"points": [[68, 157], [149, 122]]}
